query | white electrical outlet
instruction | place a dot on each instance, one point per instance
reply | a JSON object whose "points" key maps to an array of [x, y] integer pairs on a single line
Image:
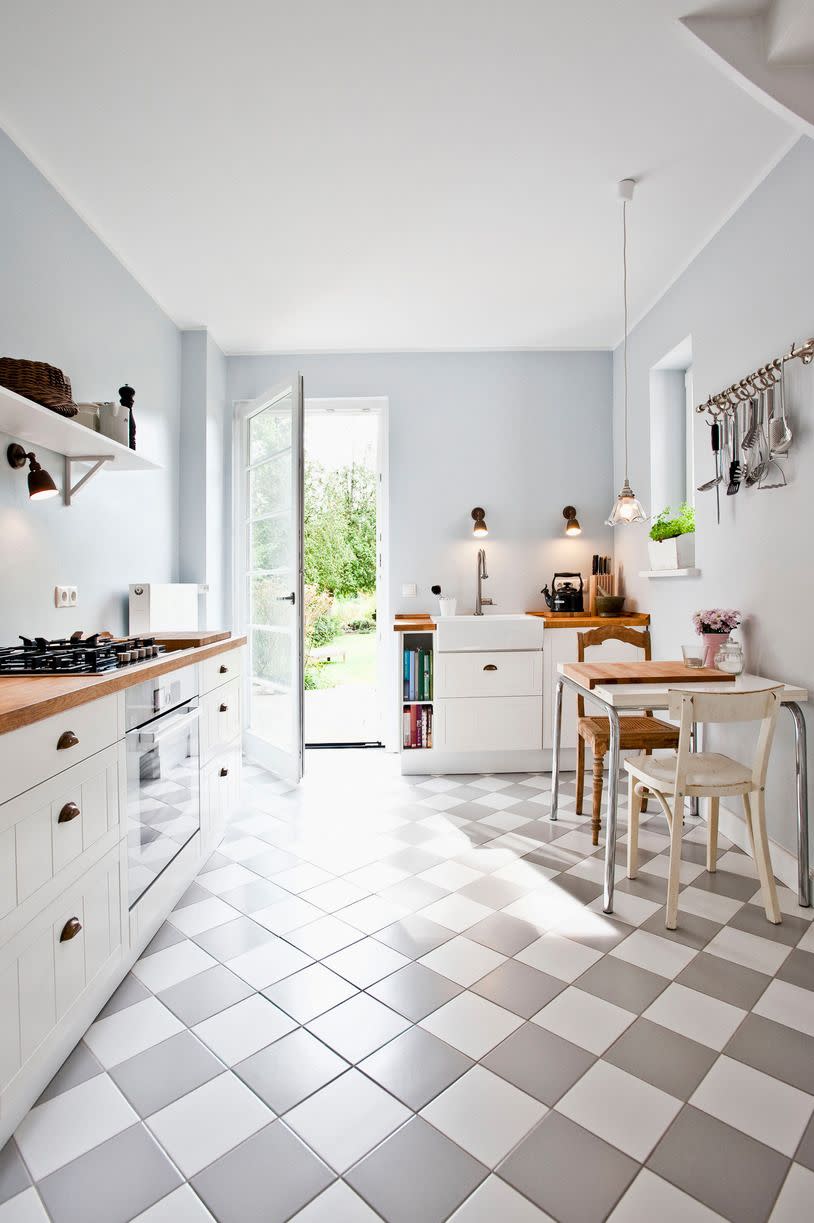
{"points": [[66, 596], [408, 590]]}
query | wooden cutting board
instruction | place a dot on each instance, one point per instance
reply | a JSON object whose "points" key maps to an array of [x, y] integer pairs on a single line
{"points": [[591, 674], [189, 640]]}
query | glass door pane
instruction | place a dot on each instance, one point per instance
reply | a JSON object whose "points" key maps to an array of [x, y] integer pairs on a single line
{"points": [[270, 576]]}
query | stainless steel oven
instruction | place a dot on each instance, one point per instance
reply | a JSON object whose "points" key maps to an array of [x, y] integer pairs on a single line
{"points": [[163, 798]]}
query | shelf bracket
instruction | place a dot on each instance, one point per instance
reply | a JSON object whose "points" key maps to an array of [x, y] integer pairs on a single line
{"points": [[70, 490]]}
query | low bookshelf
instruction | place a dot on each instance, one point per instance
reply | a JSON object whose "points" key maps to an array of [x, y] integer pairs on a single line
{"points": [[416, 679]]}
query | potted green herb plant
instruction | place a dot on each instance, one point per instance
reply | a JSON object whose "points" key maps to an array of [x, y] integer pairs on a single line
{"points": [[672, 539]]}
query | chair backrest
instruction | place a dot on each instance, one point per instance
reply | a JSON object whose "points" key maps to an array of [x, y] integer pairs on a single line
{"points": [[640, 638], [689, 705]]}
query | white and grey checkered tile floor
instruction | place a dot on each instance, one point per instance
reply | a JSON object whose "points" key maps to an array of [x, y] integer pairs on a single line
{"points": [[398, 999]]}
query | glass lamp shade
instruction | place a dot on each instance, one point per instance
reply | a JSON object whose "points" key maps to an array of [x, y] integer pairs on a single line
{"points": [[626, 508]]}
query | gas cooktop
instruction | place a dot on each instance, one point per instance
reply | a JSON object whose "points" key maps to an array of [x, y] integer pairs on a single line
{"points": [[76, 655]]}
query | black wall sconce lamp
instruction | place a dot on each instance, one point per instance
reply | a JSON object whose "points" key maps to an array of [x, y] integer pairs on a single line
{"points": [[479, 516], [40, 484], [572, 526]]}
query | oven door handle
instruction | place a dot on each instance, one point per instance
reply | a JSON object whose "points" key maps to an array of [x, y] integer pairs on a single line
{"points": [[154, 738]]}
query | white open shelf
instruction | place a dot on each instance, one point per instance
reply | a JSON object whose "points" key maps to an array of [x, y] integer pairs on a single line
{"points": [[670, 573], [39, 428]]}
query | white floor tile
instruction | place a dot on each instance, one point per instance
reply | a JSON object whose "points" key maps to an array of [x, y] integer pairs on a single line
{"points": [[660, 868], [456, 912], [243, 848], [25, 1207], [472, 1024], [584, 1019], [748, 950], [495, 1201], [377, 876], [338, 1204], [346, 1119], [269, 962], [795, 1198], [491, 784], [526, 874], [559, 956], [651, 1198], [130, 1031], [243, 1029], [484, 1114], [173, 964], [450, 875], [698, 1016], [497, 802], [738, 863], [624, 1110], [365, 963], [204, 915], [181, 1206], [224, 878], [372, 914], [634, 910], [462, 960], [660, 955], [708, 904], [788, 1004], [72, 1123], [287, 915], [767, 1109], [300, 878], [202, 1126], [358, 1027], [333, 895], [324, 936]]}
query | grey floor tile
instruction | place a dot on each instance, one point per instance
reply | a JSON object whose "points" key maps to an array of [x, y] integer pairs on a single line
{"points": [[205, 994], [725, 1169], [267, 1179], [496, 893], [805, 1151], [753, 920], [414, 834], [660, 1056], [570, 1174], [414, 936], [726, 883], [413, 859], [609, 933], [112, 1183], [722, 979], [291, 1069], [503, 933], [14, 1176], [233, 938], [79, 1066], [649, 887], [414, 991], [214, 862], [583, 890], [192, 895], [259, 894], [310, 992], [130, 991], [623, 984], [519, 988], [798, 968], [416, 1174], [416, 1067], [692, 931], [539, 1062], [164, 1073], [784, 1053], [165, 936], [413, 893]]}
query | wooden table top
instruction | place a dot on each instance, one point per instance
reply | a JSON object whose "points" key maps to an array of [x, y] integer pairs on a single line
{"points": [[590, 674]]}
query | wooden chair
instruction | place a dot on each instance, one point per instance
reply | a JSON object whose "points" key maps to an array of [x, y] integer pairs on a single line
{"points": [[708, 775], [638, 732]]}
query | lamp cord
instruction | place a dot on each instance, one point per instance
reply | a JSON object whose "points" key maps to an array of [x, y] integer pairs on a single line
{"points": [[624, 346]]}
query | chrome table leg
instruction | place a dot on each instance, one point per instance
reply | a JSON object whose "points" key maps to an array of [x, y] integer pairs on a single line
{"points": [[801, 763], [610, 819], [555, 767]]}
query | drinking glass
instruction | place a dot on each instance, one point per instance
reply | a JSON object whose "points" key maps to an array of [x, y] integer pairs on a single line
{"points": [[693, 654]]}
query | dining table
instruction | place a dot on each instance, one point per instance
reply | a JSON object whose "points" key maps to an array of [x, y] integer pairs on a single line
{"points": [[645, 686]]}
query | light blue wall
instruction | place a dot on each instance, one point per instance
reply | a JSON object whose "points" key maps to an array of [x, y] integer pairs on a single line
{"points": [[743, 300], [65, 299], [520, 433]]}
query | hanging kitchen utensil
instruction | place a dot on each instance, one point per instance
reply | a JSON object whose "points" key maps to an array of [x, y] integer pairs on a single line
{"points": [[760, 450], [716, 444], [716, 447], [780, 434], [735, 471], [750, 437]]}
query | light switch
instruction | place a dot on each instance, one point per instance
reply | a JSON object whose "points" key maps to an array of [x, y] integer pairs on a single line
{"points": [[408, 590]]}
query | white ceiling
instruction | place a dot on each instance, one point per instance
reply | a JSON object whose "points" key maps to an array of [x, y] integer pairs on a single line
{"points": [[385, 174]]}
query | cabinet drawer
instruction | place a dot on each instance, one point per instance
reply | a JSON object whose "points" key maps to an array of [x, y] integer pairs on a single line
{"points": [[45, 829], [221, 668], [55, 957], [220, 717], [482, 724], [34, 753], [503, 673], [220, 791]]}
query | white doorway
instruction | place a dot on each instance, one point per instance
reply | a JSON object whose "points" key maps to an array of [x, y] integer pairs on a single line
{"points": [[345, 563]]}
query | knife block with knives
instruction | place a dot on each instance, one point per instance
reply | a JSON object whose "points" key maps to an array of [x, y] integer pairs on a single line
{"points": [[602, 580]]}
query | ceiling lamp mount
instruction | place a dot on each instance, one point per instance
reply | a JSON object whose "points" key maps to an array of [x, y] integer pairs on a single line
{"points": [[626, 508]]}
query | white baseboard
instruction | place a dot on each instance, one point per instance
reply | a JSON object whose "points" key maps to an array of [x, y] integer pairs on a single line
{"points": [[732, 825]]}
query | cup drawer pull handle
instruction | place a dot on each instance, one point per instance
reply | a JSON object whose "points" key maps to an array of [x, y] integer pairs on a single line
{"points": [[66, 739], [224, 772], [223, 668], [70, 930], [69, 812], [490, 666], [224, 709]]}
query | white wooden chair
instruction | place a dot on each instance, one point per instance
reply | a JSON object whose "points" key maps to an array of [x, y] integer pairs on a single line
{"points": [[686, 774]]}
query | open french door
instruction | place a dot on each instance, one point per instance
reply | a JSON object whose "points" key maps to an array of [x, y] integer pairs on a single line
{"points": [[269, 574]]}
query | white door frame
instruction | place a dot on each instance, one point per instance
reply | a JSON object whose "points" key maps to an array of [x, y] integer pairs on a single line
{"points": [[380, 404]]}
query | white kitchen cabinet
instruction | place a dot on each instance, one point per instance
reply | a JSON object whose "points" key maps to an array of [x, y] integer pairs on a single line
{"points": [[43, 749], [220, 669], [220, 792], [561, 646], [220, 718], [486, 724], [487, 675]]}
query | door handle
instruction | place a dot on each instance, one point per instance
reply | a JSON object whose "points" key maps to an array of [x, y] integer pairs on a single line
{"points": [[224, 709], [66, 739], [224, 772], [292, 598], [490, 666], [70, 930], [223, 668], [69, 812]]}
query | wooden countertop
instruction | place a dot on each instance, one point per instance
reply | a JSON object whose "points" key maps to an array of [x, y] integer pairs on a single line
{"points": [[187, 641], [591, 674], [422, 622], [30, 698]]}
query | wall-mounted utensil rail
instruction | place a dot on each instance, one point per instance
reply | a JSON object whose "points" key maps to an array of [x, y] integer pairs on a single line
{"points": [[754, 384]]}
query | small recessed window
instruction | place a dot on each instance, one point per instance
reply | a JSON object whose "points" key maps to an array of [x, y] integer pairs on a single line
{"points": [[671, 417]]}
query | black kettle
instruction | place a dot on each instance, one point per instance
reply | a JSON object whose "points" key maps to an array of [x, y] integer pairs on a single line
{"points": [[566, 597]]}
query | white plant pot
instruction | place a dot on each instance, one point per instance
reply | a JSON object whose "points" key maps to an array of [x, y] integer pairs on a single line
{"points": [[676, 553], [447, 606]]}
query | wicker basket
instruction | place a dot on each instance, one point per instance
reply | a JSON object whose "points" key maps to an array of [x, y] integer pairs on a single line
{"points": [[45, 384]]}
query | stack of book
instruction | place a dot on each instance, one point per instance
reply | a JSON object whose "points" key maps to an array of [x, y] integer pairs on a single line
{"points": [[418, 675], [417, 726]]}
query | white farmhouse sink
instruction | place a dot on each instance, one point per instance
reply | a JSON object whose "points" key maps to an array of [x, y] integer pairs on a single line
{"points": [[516, 631]]}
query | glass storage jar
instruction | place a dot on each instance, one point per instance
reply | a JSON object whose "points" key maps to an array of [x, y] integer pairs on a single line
{"points": [[730, 658]]}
